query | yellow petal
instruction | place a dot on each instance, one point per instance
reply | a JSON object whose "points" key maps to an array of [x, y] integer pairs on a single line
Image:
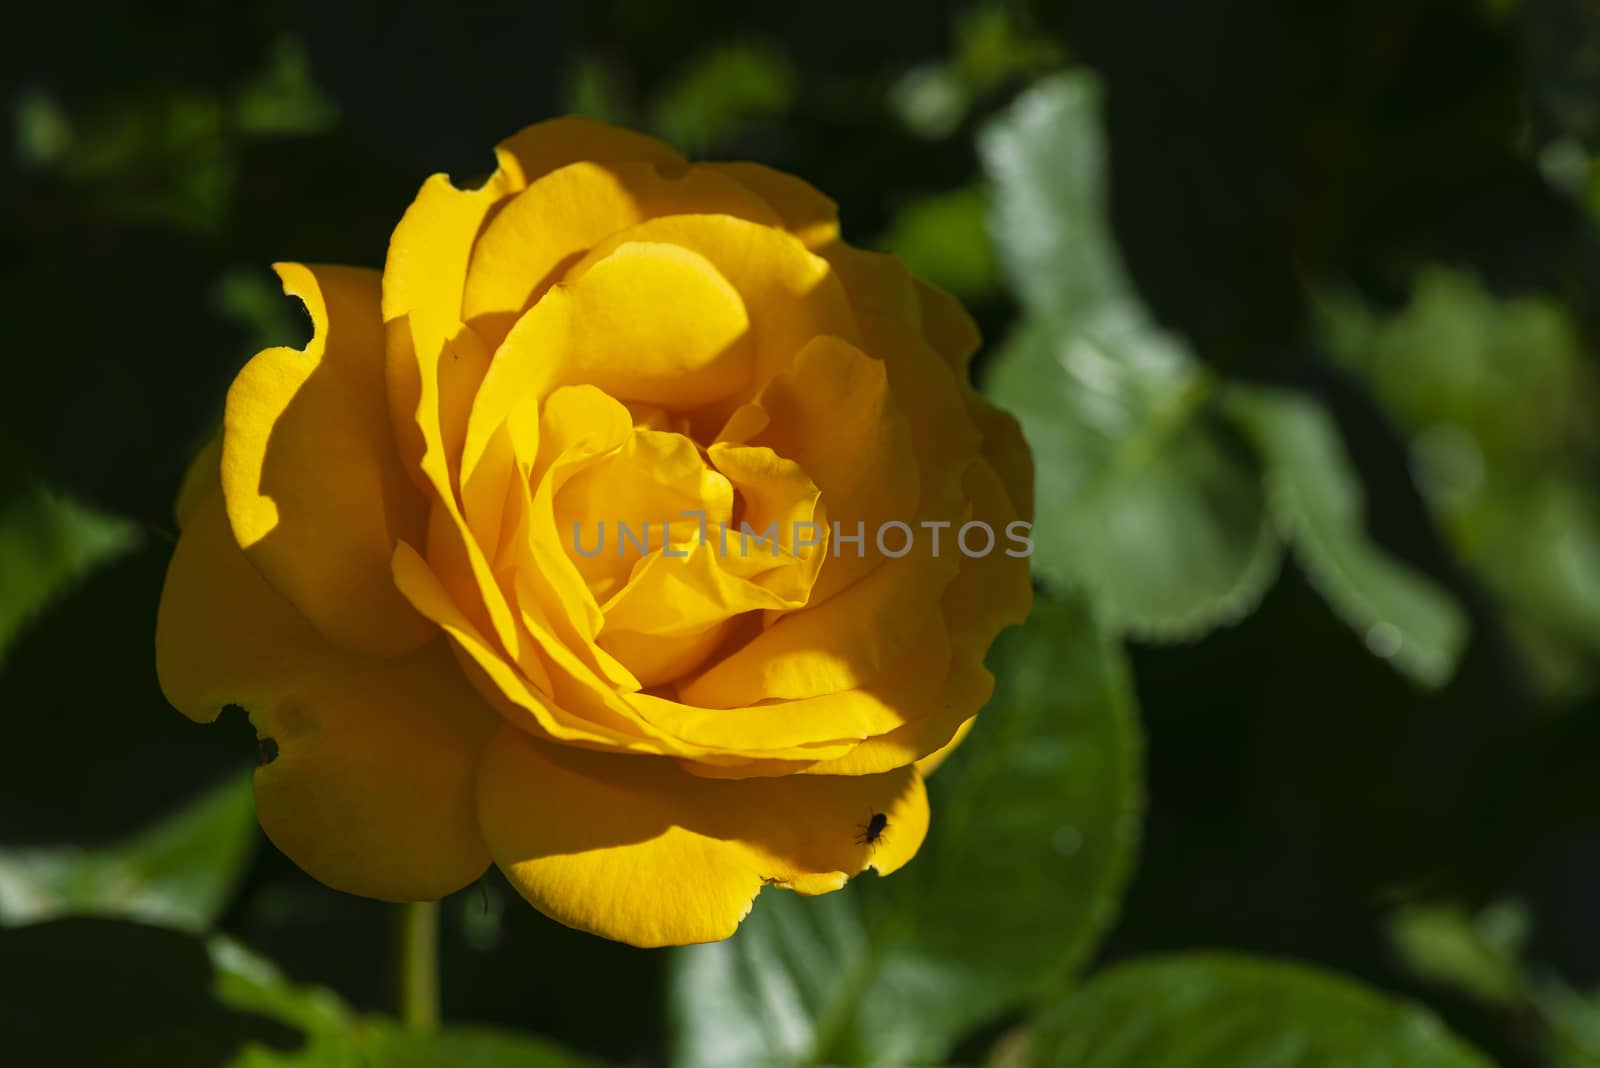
{"points": [[932, 762], [807, 213], [684, 350], [646, 485], [965, 689], [994, 590], [908, 690], [430, 388], [542, 230], [424, 277], [639, 851], [517, 691], [773, 490], [877, 283], [536, 150], [371, 788], [314, 487], [200, 480], [947, 327], [798, 295], [990, 592], [841, 644], [1006, 451]]}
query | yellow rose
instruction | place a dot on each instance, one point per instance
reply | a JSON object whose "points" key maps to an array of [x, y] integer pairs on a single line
{"points": [[602, 336]]}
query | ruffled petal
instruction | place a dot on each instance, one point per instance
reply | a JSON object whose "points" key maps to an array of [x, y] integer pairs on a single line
{"points": [[798, 295], [877, 282], [535, 151], [831, 412], [637, 850], [688, 352], [369, 785], [1006, 451], [807, 212], [947, 327], [424, 276], [908, 690], [314, 487], [547, 227]]}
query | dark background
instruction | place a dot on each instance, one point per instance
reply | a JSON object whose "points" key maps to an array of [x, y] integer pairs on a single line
{"points": [[1296, 783]]}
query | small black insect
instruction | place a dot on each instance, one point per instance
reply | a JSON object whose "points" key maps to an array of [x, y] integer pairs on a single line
{"points": [[872, 830]]}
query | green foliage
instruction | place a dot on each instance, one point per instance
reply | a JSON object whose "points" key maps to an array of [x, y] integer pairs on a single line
{"points": [[332, 1035], [994, 45], [1483, 955], [1497, 402], [1476, 954], [941, 238], [168, 156], [1218, 1011], [283, 99], [720, 91], [1319, 506], [48, 543], [179, 872], [1169, 491], [1035, 828], [1149, 499]]}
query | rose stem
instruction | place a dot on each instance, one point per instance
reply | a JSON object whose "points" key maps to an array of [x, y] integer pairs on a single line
{"points": [[419, 966]]}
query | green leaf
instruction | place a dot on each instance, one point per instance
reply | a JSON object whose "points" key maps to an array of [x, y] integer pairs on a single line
{"points": [[284, 99], [1035, 826], [941, 238], [1147, 502], [1496, 399], [1046, 156], [1223, 1011], [177, 873], [47, 544], [720, 91], [336, 1037], [1479, 955], [1319, 503]]}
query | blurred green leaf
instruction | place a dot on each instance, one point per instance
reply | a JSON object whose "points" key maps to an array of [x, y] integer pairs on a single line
{"points": [[596, 89], [931, 100], [1146, 500], [1046, 156], [283, 99], [1035, 827], [1476, 954], [1496, 400], [336, 1037], [43, 132], [177, 873], [721, 90], [1481, 955], [48, 543], [1574, 1020], [1223, 1011], [942, 239], [995, 43], [1319, 505]]}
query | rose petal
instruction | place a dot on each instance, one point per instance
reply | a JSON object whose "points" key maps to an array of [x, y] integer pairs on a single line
{"points": [[947, 327], [314, 487], [807, 213], [371, 788], [636, 850], [542, 230]]}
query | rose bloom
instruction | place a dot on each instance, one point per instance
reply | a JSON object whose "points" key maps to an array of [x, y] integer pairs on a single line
{"points": [[378, 556]]}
